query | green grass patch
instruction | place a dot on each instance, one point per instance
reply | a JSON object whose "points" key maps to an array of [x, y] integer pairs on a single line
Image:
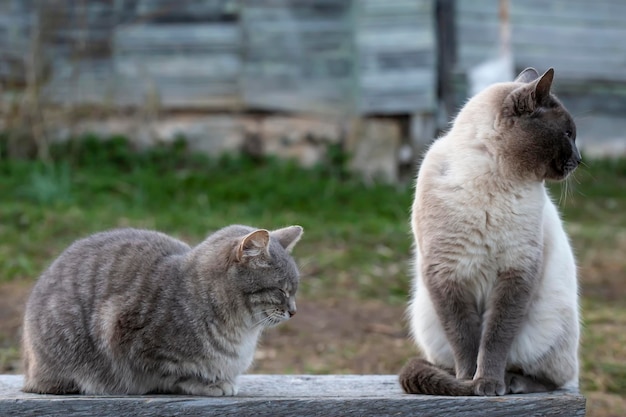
{"points": [[356, 238]]}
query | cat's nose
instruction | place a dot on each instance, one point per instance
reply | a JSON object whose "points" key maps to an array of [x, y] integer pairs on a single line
{"points": [[577, 157], [291, 312]]}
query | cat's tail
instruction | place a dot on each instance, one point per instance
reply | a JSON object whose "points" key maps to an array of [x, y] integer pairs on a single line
{"points": [[422, 377]]}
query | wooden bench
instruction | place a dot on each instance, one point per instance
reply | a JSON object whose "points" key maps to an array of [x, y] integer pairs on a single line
{"points": [[292, 395]]}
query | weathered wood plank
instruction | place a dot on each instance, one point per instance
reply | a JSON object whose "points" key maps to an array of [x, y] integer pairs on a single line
{"points": [[293, 395], [182, 10], [177, 37], [187, 65], [396, 50], [299, 56], [16, 20]]}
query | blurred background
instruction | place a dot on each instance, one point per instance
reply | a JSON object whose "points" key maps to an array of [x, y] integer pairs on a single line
{"points": [[185, 116]]}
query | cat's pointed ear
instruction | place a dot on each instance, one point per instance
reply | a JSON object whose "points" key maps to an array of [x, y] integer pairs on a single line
{"points": [[288, 236], [530, 96], [254, 244], [543, 85], [528, 75]]}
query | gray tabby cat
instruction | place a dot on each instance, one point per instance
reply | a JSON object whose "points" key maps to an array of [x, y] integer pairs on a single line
{"points": [[495, 300], [134, 311]]}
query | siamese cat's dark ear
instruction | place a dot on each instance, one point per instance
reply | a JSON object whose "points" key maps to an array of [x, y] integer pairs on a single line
{"points": [[543, 85], [530, 96], [254, 244], [528, 75], [288, 236]]}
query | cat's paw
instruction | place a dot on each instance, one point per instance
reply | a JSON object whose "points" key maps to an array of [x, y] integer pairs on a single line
{"points": [[489, 386], [220, 389], [217, 389], [228, 389]]}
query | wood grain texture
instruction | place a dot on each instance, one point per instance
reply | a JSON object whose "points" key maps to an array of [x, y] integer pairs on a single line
{"points": [[293, 395], [396, 54]]}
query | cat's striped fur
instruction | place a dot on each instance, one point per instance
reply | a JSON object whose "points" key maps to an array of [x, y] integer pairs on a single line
{"points": [[134, 311]]}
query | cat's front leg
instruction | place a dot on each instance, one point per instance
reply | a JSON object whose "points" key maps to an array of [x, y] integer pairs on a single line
{"points": [[459, 317], [506, 311]]}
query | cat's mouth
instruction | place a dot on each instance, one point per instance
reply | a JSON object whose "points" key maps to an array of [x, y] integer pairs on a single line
{"points": [[571, 165], [561, 170]]}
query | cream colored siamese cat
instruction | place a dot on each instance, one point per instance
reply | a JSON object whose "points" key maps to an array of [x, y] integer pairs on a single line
{"points": [[494, 306]]}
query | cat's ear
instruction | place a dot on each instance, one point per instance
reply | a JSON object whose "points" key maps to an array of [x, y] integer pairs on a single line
{"points": [[254, 244], [543, 85], [288, 236], [527, 98], [528, 75]]}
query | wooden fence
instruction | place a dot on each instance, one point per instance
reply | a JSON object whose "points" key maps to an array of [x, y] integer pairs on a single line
{"points": [[328, 56]]}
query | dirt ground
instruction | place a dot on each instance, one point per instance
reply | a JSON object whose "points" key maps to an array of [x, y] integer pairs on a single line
{"points": [[323, 337]]}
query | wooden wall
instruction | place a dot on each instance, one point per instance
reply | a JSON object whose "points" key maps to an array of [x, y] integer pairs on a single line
{"points": [[340, 57], [396, 50], [583, 40], [299, 55], [328, 56]]}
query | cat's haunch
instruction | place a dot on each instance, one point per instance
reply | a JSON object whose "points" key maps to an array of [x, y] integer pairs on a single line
{"points": [[134, 311]]}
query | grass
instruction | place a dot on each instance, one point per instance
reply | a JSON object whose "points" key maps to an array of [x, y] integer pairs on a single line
{"points": [[356, 246], [100, 185]]}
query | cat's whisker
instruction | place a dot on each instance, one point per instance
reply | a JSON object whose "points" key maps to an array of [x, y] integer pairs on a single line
{"points": [[583, 173], [261, 322], [258, 322], [268, 318], [304, 267], [563, 194], [588, 171], [582, 115]]}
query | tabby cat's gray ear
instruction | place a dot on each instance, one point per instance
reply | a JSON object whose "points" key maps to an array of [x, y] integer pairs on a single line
{"points": [[528, 75], [288, 236], [254, 244]]}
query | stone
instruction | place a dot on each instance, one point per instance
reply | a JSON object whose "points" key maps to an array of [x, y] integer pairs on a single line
{"points": [[374, 145], [304, 139]]}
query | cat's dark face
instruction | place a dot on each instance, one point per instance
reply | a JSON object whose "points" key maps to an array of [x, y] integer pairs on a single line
{"points": [[538, 134]]}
